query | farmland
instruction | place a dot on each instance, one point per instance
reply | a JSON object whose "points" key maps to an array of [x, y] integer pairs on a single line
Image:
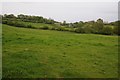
{"points": [[36, 53]]}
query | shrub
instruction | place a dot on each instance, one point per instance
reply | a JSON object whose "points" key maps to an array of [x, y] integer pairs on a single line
{"points": [[80, 30], [45, 27], [10, 23], [61, 29], [29, 26], [116, 30], [4, 21], [52, 28], [17, 24], [88, 30], [72, 30], [107, 30]]}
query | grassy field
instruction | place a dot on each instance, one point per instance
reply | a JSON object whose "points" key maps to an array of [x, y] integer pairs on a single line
{"points": [[31, 53], [0, 51], [38, 25]]}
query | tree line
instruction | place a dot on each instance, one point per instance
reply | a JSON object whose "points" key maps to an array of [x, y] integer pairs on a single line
{"points": [[95, 27]]}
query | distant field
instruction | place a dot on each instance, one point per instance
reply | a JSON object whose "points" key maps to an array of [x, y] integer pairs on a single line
{"points": [[31, 53], [38, 25]]}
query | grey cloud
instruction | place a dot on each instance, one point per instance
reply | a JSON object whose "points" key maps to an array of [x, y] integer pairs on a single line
{"points": [[69, 11]]}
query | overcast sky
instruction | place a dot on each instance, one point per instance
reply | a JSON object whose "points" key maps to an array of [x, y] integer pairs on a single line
{"points": [[69, 11]]}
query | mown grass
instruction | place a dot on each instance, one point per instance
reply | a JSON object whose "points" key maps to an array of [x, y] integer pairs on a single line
{"points": [[31, 53]]}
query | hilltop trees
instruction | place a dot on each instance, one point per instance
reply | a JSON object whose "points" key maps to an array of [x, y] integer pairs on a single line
{"points": [[17, 24], [9, 16], [96, 27], [28, 18], [64, 22], [99, 25], [78, 24]]}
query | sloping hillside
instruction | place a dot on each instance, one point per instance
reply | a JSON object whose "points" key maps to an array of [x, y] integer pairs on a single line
{"points": [[45, 53]]}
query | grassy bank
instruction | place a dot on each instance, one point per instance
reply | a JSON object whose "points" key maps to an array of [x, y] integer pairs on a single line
{"points": [[45, 53]]}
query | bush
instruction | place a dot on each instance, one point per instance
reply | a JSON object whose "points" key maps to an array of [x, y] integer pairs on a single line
{"points": [[29, 26], [116, 30], [17, 24], [60, 29], [52, 28], [80, 30], [107, 30], [71, 30], [4, 21], [45, 27], [10, 23], [88, 30]]}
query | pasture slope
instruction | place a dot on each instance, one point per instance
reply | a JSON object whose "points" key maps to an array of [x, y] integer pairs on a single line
{"points": [[31, 53]]}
